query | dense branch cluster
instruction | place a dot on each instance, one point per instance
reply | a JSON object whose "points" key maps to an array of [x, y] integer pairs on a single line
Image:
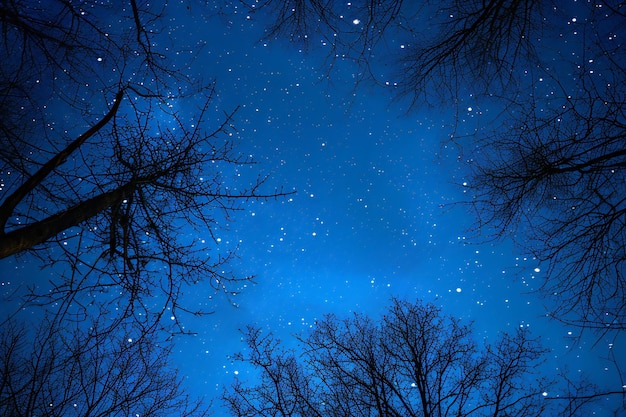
{"points": [[85, 371], [556, 171], [414, 362], [421, 49]]}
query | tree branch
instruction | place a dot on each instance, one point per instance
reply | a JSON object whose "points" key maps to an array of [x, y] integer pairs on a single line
{"points": [[39, 232], [7, 207]]}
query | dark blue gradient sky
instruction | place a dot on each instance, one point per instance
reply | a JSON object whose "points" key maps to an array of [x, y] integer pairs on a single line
{"points": [[373, 216], [374, 213]]}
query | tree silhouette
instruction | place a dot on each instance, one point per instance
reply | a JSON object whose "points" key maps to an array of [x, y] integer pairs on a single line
{"points": [[552, 175], [54, 370], [100, 170], [557, 174], [414, 362]]}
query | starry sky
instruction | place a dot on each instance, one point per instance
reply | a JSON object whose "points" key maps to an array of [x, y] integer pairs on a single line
{"points": [[374, 215]]}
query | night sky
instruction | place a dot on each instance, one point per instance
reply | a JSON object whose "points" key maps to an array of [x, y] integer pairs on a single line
{"points": [[374, 215]]}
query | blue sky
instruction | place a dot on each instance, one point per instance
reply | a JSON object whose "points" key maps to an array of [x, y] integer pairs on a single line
{"points": [[373, 216]]}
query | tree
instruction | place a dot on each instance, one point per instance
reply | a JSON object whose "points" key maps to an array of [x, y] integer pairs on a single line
{"points": [[414, 362], [99, 170], [556, 175], [552, 176], [547, 168], [78, 370], [104, 180]]}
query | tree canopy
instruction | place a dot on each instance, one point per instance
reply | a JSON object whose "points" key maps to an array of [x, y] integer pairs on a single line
{"points": [[63, 369], [102, 178], [100, 170], [415, 361], [105, 181]]}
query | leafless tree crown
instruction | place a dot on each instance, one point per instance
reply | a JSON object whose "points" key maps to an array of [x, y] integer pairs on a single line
{"points": [[414, 362]]}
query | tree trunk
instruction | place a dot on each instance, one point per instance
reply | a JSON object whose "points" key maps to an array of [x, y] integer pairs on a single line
{"points": [[34, 234]]}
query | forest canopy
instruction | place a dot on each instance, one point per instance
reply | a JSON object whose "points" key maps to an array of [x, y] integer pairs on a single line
{"points": [[414, 361]]}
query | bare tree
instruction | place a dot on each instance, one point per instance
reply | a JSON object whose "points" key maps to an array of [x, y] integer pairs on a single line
{"points": [[77, 369], [100, 170], [554, 174], [414, 362]]}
